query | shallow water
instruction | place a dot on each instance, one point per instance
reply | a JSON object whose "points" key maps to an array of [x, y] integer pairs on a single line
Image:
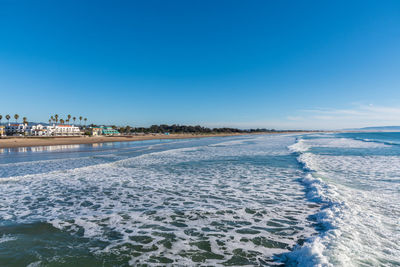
{"points": [[251, 200]]}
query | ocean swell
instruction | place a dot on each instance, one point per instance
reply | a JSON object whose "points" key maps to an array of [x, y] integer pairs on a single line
{"points": [[312, 252], [357, 220]]}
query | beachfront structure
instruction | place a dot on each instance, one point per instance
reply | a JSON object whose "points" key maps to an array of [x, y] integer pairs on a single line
{"points": [[63, 130], [106, 130], [25, 129], [96, 131], [35, 130], [15, 129], [41, 130], [103, 130], [2, 130]]}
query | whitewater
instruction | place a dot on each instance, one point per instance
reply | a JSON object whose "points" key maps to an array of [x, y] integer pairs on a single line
{"points": [[257, 200]]}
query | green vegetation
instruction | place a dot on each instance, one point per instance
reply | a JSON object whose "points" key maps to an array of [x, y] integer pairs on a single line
{"points": [[186, 129], [56, 118]]}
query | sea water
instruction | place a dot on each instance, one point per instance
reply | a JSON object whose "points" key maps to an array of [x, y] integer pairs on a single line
{"points": [[356, 178], [259, 200]]}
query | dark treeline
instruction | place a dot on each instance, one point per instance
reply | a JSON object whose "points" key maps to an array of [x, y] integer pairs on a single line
{"points": [[163, 128]]}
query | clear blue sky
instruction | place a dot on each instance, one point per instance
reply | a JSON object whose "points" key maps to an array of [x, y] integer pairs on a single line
{"points": [[274, 64]]}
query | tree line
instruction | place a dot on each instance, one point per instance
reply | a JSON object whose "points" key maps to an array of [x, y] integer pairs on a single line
{"points": [[56, 118], [53, 119], [188, 129], [16, 117]]}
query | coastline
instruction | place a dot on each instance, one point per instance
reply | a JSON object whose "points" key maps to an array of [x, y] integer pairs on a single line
{"points": [[15, 142]]}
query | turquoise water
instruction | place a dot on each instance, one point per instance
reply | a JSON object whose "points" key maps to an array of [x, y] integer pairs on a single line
{"points": [[265, 200]]}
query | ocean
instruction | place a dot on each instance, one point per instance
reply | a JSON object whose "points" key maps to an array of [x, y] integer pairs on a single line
{"points": [[329, 199]]}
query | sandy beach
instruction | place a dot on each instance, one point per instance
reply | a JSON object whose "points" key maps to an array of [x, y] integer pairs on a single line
{"points": [[10, 142]]}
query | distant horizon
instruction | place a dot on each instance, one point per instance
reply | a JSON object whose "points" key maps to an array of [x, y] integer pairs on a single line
{"points": [[262, 64]]}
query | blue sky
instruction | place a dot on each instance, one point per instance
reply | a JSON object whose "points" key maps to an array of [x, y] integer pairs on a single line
{"points": [[274, 64]]}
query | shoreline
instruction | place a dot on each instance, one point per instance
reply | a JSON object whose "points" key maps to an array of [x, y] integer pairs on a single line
{"points": [[17, 142]]}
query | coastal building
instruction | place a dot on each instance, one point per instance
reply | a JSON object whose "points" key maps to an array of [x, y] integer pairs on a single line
{"points": [[96, 131], [35, 130], [25, 129], [63, 130], [106, 130], [15, 129], [41, 130]]}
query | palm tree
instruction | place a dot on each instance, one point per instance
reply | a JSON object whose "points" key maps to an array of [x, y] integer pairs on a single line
{"points": [[85, 119], [80, 120], [56, 117], [25, 120], [16, 116], [74, 119], [61, 121], [8, 118], [51, 119], [1, 117], [69, 118]]}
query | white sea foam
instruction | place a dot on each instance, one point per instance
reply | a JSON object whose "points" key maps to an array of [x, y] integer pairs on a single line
{"points": [[299, 146], [360, 214], [34, 264], [241, 198], [7, 238], [303, 145]]}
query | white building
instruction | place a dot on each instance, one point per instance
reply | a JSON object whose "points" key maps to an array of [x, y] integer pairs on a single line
{"points": [[15, 129], [63, 130], [40, 130], [25, 129], [36, 130]]}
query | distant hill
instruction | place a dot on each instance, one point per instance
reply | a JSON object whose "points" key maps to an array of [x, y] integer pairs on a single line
{"points": [[378, 128]]}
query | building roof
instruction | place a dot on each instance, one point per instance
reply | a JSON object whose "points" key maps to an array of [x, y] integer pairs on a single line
{"points": [[110, 131], [64, 125]]}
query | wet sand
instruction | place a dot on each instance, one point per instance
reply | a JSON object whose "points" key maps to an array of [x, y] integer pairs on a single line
{"points": [[10, 142]]}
